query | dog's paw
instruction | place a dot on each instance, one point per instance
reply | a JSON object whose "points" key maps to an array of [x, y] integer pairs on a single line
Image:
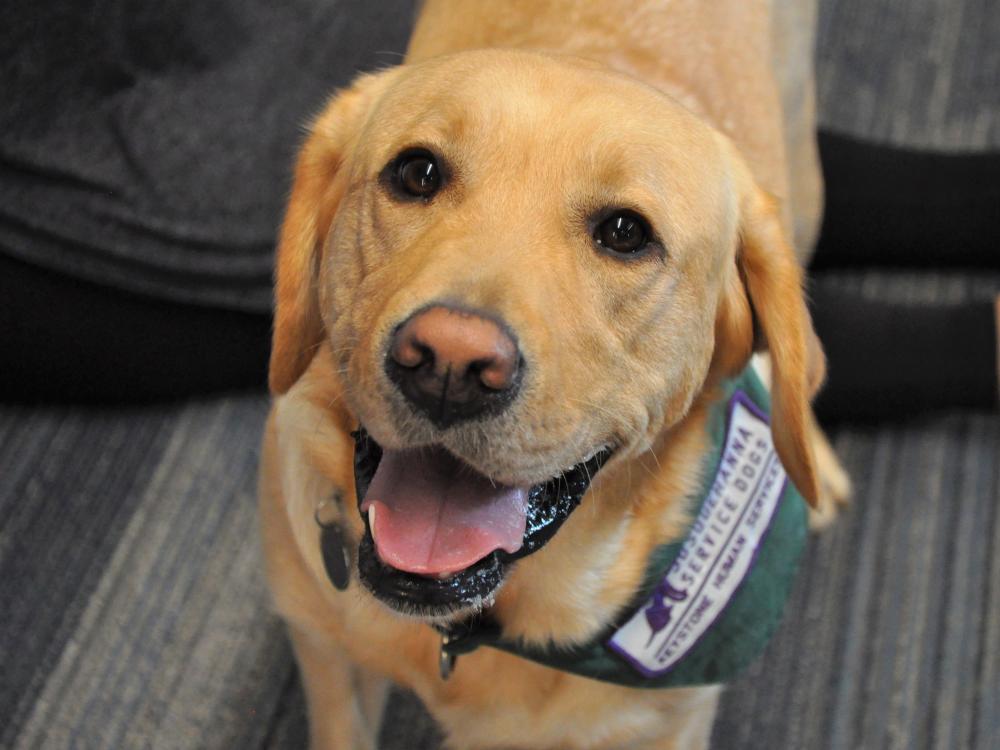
{"points": [[834, 483]]}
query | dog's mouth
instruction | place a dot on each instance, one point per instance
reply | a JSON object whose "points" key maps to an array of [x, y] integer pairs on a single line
{"points": [[439, 536]]}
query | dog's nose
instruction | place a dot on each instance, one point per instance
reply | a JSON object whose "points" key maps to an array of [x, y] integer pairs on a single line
{"points": [[453, 365]]}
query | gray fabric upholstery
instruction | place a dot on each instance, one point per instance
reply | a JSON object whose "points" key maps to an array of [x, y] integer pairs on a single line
{"points": [[917, 73], [135, 614], [149, 146], [891, 638], [152, 150]]}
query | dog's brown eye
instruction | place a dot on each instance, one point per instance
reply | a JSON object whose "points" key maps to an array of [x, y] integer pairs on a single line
{"points": [[417, 174], [623, 232]]}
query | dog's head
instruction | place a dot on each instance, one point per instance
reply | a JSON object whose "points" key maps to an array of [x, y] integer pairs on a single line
{"points": [[522, 265]]}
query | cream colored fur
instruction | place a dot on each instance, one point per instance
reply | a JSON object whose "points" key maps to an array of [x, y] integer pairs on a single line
{"points": [[675, 110]]}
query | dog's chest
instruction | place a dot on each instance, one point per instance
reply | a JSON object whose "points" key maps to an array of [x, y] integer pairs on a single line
{"points": [[499, 701]]}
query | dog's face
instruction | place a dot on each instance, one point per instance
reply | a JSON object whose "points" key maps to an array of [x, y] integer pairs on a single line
{"points": [[523, 266]]}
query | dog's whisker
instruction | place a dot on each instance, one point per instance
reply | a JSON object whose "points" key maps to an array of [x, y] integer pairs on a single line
{"points": [[645, 468], [593, 405]]}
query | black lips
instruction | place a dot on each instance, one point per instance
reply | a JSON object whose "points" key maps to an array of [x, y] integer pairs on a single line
{"points": [[549, 505]]}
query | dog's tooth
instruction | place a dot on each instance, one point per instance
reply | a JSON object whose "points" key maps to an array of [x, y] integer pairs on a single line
{"points": [[371, 518]]}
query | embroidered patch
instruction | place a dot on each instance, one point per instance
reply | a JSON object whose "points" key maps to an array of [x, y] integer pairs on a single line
{"points": [[718, 553]]}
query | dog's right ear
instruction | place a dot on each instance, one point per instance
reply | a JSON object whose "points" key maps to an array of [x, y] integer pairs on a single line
{"points": [[763, 307], [318, 186]]}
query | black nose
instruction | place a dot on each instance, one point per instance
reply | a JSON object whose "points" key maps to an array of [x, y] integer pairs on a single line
{"points": [[453, 365]]}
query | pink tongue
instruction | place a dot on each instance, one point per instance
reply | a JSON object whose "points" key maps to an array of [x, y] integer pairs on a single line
{"points": [[435, 515]]}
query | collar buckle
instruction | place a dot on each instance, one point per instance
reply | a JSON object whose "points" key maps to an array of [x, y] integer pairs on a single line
{"points": [[464, 638], [446, 660]]}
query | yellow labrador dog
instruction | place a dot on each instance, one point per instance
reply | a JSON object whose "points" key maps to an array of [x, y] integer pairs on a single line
{"points": [[517, 277]]}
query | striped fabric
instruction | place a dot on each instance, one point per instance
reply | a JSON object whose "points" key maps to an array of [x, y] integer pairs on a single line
{"points": [[893, 638], [916, 73], [133, 612]]}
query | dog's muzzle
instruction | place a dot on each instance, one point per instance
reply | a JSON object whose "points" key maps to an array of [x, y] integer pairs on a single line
{"points": [[440, 537]]}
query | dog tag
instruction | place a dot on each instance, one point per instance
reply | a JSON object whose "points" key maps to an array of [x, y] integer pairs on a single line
{"points": [[336, 557]]}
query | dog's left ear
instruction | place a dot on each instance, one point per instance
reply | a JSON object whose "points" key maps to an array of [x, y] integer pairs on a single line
{"points": [[765, 292], [318, 186]]}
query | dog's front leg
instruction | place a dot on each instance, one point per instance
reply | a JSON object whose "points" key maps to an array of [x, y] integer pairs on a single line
{"points": [[345, 702], [690, 718], [834, 483]]}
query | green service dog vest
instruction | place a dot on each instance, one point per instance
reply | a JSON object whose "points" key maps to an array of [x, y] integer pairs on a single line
{"points": [[709, 603]]}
